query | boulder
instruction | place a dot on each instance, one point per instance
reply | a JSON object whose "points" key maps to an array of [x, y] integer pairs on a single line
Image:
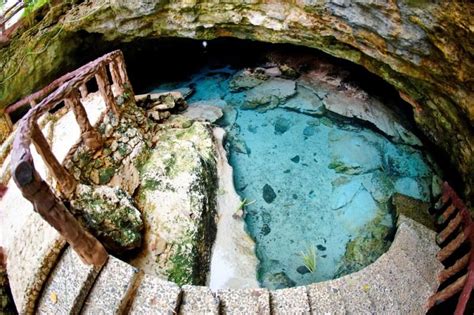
{"points": [[109, 214], [203, 113], [177, 198]]}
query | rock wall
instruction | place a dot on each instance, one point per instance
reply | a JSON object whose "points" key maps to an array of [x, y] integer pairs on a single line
{"points": [[422, 48]]}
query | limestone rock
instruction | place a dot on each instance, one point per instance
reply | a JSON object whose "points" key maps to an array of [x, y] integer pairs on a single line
{"points": [[177, 198], [270, 93], [247, 79], [305, 101], [415, 209], [203, 113], [110, 214], [354, 155]]}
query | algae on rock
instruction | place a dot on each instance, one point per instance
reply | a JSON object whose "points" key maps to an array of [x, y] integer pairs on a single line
{"points": [[177, 198]]}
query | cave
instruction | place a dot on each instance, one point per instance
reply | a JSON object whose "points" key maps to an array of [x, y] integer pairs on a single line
{"points": [[254, 156]]}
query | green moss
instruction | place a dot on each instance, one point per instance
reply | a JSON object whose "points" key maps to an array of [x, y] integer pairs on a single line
{"points": [[105, 175], [338, 166], [181, 271]]}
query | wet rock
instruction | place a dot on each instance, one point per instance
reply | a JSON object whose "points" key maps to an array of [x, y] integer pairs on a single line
{"points": [[203, 113], [321, 247], [268, 193], [288, 71], [302, 270], [279, 280], [269, 94], [380, 186], [295, 159], [247, 79], [110, 215], [266, 229], [273, 72], [359, 105], [305, 101], [414, 209], [309, 131], [354, 155], [413, 188], [282, 125]]}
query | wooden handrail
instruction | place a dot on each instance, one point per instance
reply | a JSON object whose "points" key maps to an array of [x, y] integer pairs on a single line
{"points": [[462, 224], [32, 186], [9, 13]]}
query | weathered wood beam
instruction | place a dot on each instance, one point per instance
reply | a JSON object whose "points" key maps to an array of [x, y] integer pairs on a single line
{"points": [[67, 183], [56, 214], [454, 269], [84, 91], [122, 70], [446, 251], [89, 135], [450, 228], [106, 90]]}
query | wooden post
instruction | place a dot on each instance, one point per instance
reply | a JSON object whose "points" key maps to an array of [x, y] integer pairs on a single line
{"points": [[105, 90], [83, 90], [122, 70], [67, 183], [116, 79], [89, 135], [55, 213]]}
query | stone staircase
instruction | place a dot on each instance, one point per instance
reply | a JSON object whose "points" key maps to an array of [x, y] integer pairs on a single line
{"points": [[399, 282]]}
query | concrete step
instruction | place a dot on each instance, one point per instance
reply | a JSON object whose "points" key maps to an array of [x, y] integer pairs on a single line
{"points": [[67, 285], [290, 301], [326, 298], [198, 300], [418, 243], [244, 301], [156, 296], [112, 289], [355, 294]]}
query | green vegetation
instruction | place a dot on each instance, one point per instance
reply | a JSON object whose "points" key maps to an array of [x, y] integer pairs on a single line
{"points": [[309, 258], [181, 271], [244, 203]]}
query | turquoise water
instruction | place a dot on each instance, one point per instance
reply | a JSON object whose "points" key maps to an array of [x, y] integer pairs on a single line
{"points": [[311, 182]]}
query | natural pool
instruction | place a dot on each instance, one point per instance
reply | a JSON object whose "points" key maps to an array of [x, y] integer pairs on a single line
{"points": [[317, 187]]}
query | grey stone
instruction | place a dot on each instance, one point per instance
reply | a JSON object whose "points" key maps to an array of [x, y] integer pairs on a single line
{"points": [[247, 78], [156, 296], [244, 301], [203, 113], [112, 289], [198, 300], [67, 285], [290, 301], [271, 93]]}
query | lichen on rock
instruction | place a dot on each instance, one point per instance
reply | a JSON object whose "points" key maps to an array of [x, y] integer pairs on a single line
{"points": [[110, 214], [177, 193]]}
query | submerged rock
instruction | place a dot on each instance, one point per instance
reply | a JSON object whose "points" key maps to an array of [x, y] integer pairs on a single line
{"points": [[302, 270], [277, 281], [270, 94], [110, 215], [282, 125], [415, 209], [203, 113], [305, 101], [354, 155], [268, 193]]}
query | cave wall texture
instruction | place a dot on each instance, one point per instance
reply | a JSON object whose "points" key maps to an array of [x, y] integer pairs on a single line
{"points": [[423, 48]]}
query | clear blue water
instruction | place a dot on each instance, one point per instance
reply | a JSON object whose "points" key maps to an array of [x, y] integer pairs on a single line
{"points": [[313, 182]]}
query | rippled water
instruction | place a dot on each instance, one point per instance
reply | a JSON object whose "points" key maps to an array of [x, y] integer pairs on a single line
{"points": [[310, 182]]}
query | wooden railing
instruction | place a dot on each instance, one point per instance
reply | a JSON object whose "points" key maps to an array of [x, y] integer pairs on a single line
{"points": [[9, 13], [66, 89], [459, 229], [4, 18]]}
